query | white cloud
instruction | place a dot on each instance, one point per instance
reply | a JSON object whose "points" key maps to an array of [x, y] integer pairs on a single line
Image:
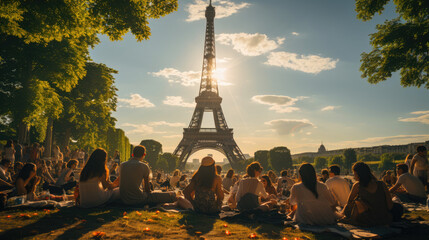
{"points": [[278, 103], [423, 118], [177, 101], [136, 101], [304, 63], [289, 126], [330, 108], [249, 44], [223, 8], [137, 128], [189, 78], [223, 60], [295, 33], [169, 124]]}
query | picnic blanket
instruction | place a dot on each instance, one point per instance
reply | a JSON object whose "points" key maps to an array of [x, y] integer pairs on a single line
{"points": [[270, 217], [44, 204]]}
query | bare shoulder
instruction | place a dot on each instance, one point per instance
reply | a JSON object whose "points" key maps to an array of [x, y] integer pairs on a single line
{"points": [[218, 179]]}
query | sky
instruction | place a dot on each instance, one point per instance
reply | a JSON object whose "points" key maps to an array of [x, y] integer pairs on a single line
{"points": [[288, 72]]}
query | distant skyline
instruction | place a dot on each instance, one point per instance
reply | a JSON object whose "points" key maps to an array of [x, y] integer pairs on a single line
{"points": [[288, 74]]}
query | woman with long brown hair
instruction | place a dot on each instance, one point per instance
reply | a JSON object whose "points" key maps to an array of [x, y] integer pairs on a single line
{"points": [[205, 190], [227, 182], [268, 185], [95, 187], [313, 201], [369, 202]]}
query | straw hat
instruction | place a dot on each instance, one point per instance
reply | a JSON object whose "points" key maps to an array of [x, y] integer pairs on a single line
{"points": [[207, 161]]}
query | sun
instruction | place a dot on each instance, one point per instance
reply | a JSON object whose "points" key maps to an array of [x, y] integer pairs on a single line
{"points": [[219, 75]]}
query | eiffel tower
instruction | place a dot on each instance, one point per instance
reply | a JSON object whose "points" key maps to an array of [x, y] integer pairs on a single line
{"points": [[219, 138]]}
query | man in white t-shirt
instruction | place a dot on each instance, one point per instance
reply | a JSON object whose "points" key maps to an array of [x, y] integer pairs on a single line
{"points": [[338, 186], [414, 189]]}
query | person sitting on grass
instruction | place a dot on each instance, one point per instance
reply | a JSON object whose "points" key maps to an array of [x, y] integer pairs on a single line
{"points": [[174, 179], [27, 181], [284, 184], [324, 175], [414, 189], [338, 186], [95, 188], [134, 182], [250, 190], [312, 200], [268, 185], [205, 191], [227, 182], [5, 166], [389, 179], [183, 182], [16, 169], [273, 177], [369, 202], [66, 179]]}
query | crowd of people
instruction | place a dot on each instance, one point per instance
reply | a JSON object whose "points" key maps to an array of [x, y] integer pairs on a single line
{"points": [[306, 197]]}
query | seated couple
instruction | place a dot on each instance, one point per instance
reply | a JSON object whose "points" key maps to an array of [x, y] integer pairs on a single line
{"points": [[205, 192], [132, 186]]}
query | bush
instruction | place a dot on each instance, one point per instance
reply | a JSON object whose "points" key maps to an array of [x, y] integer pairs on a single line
{"points": [[349, 158], [280, 158], [336, 160], [386, 162], [320, 162], [369, 158]]}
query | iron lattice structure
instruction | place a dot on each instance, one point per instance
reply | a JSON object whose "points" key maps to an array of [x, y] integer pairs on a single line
{"points": [[219, 138]]}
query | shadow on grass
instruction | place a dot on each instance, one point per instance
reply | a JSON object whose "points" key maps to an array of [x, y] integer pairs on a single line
{"points": [[200, 223], [76, 221]]}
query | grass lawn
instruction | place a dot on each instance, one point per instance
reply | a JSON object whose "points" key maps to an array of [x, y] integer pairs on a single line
{"points": [[125, 223]]}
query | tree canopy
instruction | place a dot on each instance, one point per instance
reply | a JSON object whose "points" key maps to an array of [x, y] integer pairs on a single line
{"points": [[400, 44], [349, 158], [320, 162], [44, 52], [280, 158], [262, 156]]}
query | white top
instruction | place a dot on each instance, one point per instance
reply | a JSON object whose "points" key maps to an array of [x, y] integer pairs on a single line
{"points": [[227, 183], [311, 210], [412, 185], [92, 193], [247, 185], [174, 180], [339, 188], [421, 163]]}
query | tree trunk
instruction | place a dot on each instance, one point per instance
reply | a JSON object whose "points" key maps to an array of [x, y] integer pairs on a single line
{"points": [[67, 138], [48, 140], [23, 132]]}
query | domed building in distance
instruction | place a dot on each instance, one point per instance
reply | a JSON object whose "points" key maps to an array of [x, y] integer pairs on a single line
{"points": [[321, 149]]}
